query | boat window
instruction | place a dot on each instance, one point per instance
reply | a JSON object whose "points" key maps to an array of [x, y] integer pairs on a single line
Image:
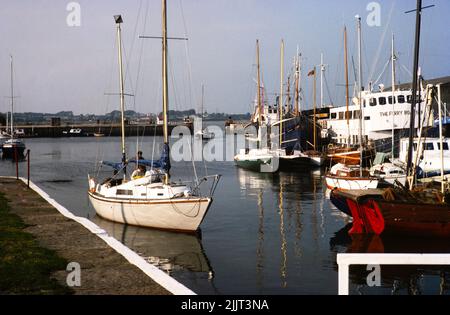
{"points": [[356, 114], [333, 115], [124, 192], [444, 146], [367, 118], [409, 99], [428, 146], [401, 99], [382, 100], [415, 146], [390, 98], [341, 115], [373, 102], [348, 115]]}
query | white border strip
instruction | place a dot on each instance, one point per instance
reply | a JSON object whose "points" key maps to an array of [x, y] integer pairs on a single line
{"points": [[345, 260], [163, 279]]}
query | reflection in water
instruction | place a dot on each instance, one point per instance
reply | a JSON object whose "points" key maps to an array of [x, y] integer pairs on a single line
{"points": [[260, 246], [408, 279], [286, 192], [283, 271], [168, 251]]}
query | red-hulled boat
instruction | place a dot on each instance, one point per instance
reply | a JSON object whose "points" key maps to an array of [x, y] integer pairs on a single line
{"points": [[419, 212]]}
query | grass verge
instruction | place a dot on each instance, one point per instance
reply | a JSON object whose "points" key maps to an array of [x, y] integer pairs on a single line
{"points": [[26, 267]]}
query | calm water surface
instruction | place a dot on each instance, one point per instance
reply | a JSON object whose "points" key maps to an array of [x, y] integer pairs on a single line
{"points": [[264, 234]]}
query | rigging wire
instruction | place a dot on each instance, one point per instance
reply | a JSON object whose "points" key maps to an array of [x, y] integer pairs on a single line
{"points": [[190, 89], [381, 43]]}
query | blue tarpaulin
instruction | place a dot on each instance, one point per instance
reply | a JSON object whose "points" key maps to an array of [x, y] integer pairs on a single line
{"points": [[163, 163]]}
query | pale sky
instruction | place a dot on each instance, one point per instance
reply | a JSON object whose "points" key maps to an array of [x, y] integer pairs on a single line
{"points": [[58, 67]]}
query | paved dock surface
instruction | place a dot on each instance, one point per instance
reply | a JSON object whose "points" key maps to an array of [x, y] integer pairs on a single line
{"points": [[103, 270]]}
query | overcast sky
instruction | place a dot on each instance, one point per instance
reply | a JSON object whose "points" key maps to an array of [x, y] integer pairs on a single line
{"points": [[58, 67]]}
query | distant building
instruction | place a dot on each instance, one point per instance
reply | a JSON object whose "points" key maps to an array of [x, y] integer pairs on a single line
{"points": [[56, 121]]}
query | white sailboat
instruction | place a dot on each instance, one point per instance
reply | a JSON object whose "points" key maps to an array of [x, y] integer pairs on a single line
{"points": [[261, 158], [151, 199], [343, 176], [12, 148], [204, 133]]}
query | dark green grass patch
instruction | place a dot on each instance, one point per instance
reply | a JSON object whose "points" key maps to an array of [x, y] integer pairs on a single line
{"points": [[25, 267]]}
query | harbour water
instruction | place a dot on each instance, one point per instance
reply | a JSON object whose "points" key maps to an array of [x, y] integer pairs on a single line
{"points": [[264, 234]]}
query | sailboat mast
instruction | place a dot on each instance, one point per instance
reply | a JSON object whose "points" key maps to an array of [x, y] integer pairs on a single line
{"points": [[322, 70], [258, 83], [12, 97], [409, 168], [164, 72], [314, 110], [346, 86], [358, 18], [202, 110], [441, 144], [297, 83], [280, 105], [119, 21], [393, 95], [165, 82]]}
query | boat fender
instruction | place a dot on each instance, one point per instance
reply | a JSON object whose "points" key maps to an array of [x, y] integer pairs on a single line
{"points": [[92, 185]]}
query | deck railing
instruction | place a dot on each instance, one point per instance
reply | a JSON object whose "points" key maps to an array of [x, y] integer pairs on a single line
{"points": [[345, 260]]}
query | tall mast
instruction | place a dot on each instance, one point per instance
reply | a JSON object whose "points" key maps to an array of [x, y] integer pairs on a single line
{"points": [[164, 72], [441, 138], [393, 94], [165, 81], [358, 18], [346, 85], [280, 105], [202, 104], [259, 83], [322, 70], [12, 98], [314, 111], [409, 168], [297, 83], [119, 20]]}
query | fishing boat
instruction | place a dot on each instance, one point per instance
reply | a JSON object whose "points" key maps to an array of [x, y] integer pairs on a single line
{"points": [[420, 210], [12, 148], [150, 198]]}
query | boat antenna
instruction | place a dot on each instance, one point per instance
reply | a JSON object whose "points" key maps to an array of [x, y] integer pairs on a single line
{"points": [[118, 19], [409, 167]]}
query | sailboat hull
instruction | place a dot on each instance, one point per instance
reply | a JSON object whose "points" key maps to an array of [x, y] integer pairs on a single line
{"points": [[9, 151], [374, 215], [356, 183], [181, 214]]}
